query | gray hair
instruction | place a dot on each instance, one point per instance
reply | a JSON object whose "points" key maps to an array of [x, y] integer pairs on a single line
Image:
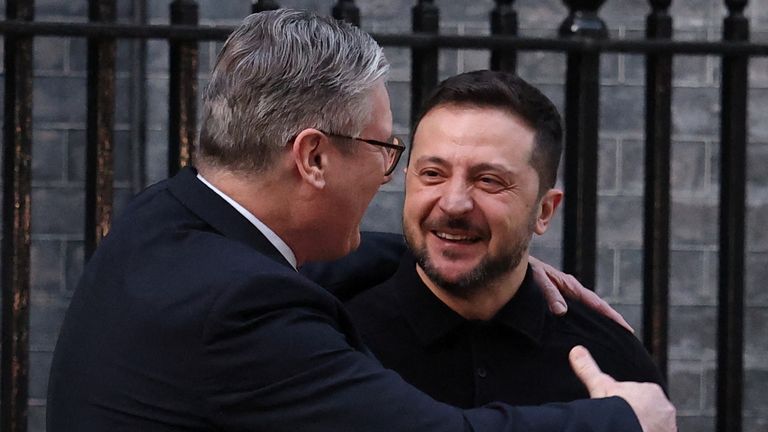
{"points": [[279, 73]]}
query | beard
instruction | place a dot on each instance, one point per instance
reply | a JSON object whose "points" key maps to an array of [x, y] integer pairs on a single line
{"points": [[489, 270]]}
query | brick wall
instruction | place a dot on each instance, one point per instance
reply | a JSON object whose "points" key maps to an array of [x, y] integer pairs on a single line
{"points": [[59, 142]]}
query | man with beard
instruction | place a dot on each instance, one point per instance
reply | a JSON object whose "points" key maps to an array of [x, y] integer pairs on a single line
{"points": [[462, 318]]}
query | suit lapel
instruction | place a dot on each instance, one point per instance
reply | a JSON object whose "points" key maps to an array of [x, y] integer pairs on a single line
{"points": [[211, 208]]}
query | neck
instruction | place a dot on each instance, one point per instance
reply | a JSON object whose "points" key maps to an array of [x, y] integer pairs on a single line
{"points": [[481, 303], [264, 197]]}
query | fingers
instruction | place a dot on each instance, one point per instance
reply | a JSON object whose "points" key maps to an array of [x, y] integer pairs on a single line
{"points": [[582, 363], [599, 305], [552, 295]]}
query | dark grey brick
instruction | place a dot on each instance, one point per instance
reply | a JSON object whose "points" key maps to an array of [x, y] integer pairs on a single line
{"points": [[758, 71], [49, 53], [475, 59], [399, 63], [473, 11], [634, 66], [75, 261], [76, 155], [609, 68], [606, 270], [755, 396], [122, 156], [758, 117], [624, 13], [756, 277], [621, 109], [607, 176], [548, 254], [157, 57], [619, 220], [157, 103], [70, 8], [688, 167], [756, 424], [78, 55], [696, 423], [686, 279], [400, 101], [122, 101], [685, 390], [540, 66], [691, 70], [45, 319], [757, 175], [58, 210], [448, 63], [157, 155], [46, 258], [692, 332], [632, 166], [757, 221], [373, 11], [36, 419], [48, 155], [630, 289], [536, 13], [695, 111], [693, 13], [59, 99], [693, 223], [384, 213], [755, 329], [39, 365], [214, 10]]}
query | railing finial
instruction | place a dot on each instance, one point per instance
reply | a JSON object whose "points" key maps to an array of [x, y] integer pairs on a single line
{"points": [[348, 11], [583, 19]]}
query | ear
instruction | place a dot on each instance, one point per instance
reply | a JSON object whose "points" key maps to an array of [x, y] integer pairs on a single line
{"points": [[310, 154], [547, 206]]}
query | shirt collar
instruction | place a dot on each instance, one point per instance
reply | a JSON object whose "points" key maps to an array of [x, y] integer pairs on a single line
{"points": [[273, 238], [430, 319]]}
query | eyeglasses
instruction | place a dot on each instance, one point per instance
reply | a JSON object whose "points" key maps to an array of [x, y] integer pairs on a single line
{"points": [[392, 150]]}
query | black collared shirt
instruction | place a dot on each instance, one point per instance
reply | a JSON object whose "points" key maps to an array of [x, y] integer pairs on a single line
{"points": [[520, 356]]}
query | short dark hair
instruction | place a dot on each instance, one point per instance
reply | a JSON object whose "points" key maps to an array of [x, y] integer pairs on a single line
{"points": [[508, 92]]}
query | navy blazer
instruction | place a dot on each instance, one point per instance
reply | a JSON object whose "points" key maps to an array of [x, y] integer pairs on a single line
{"points": [[188, 319]]}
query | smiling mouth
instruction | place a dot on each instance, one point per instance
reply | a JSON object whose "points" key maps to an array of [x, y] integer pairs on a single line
{"points": [[457, 238]]}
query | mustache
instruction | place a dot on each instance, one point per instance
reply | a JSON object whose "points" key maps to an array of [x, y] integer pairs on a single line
{"points": [[443, 223]]}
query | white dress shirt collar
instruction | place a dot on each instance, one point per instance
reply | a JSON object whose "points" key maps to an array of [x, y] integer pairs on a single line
{"points": [[273, 238]]}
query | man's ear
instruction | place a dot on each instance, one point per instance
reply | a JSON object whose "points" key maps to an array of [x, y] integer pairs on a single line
{"points": [[547, 206], [310, 154]]}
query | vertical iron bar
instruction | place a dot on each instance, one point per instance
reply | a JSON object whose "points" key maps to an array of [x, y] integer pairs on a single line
{"points": [[733, 145], [182, 103], [504, 22], [424, 67], [581, 141], [17, 175], [138, 101], [658, 131], [348, 11], [264, 5], [100, 136]]}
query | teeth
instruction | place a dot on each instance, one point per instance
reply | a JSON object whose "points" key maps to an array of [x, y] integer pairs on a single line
{"points": [[452, 237]]}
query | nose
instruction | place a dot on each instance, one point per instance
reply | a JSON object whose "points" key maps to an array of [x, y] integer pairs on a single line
{"points": [[456, 198]]}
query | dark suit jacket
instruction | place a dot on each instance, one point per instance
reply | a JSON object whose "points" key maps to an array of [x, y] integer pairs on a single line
{"points": [[188, 319]]}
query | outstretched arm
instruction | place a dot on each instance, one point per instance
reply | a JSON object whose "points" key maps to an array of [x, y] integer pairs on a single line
{"points": [[556, 284]]}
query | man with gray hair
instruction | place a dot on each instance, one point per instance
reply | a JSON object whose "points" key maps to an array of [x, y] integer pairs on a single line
{"points": [[191, 315]]}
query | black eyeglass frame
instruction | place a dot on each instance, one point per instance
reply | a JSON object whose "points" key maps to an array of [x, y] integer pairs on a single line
{"points": [[399, 148]]}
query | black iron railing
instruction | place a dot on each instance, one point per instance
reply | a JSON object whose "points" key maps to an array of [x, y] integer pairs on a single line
{"points": [[583, 37]]}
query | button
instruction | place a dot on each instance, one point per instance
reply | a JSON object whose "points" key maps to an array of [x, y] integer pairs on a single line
{"points": [[481, 372]]}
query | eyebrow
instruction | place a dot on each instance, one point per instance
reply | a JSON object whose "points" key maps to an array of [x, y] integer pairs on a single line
{"points": [[488, 166]]}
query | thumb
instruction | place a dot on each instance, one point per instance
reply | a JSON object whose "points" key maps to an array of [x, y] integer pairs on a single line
{"points": [[589, 373]]}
